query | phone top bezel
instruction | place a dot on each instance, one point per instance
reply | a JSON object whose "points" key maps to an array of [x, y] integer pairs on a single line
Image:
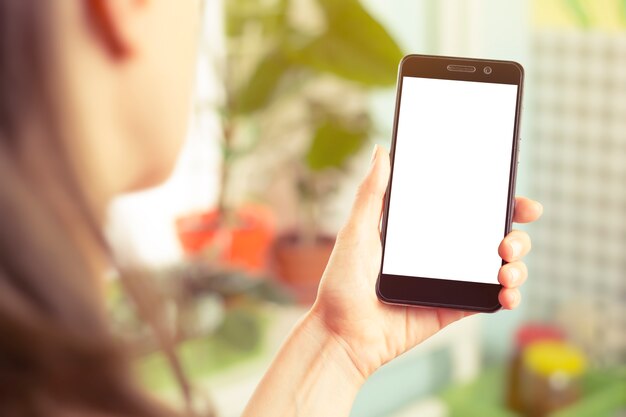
{"points": [[432, 292]]}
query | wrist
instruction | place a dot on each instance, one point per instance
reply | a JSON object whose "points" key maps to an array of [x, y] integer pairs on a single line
{"points": [[312, 375], [334, 348]]}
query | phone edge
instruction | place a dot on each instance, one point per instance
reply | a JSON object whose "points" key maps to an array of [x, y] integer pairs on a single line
{"points": [[512, 179]]}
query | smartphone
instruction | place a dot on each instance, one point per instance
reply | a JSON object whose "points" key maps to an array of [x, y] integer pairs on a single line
{"points": [[450, 198]]}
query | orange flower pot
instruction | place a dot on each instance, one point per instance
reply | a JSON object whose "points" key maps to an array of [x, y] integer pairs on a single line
{"points": [[300, 264], [245, 245]]}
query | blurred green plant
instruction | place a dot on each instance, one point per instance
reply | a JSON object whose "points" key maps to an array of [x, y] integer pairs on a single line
{"points": [[203, 357], [196, 300], [216, 319], [277, 53]]}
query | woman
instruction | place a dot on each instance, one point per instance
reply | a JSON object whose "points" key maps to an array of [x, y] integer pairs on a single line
{"points": [[94, 99]]}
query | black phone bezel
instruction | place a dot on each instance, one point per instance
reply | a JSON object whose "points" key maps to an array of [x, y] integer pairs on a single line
{"points": [[432, 292]]}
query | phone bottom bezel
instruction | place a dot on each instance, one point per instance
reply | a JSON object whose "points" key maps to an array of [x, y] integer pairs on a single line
{"points": [[430, 292]]}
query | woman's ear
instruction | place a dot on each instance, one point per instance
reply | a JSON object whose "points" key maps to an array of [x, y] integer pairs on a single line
{"points": [[117, 24]]}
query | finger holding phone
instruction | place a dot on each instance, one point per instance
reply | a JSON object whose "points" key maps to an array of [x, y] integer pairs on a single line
{"points": [[374, 332]]}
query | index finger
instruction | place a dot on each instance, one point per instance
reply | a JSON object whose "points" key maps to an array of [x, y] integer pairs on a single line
{"points": [[526, 210]]}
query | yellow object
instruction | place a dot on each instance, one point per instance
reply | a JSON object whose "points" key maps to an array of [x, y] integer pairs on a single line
{"points": [[603, 15], [550, 357]]}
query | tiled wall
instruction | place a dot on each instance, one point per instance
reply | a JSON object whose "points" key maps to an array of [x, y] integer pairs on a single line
{"points": [[577, 161]]}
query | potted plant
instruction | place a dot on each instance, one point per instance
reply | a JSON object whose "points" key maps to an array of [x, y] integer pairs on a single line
{"points": [[296, 74], [307, 97], [301, 254], [232, 234], [210, 318]]}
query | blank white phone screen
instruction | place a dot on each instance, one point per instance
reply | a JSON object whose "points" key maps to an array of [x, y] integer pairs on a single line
{"points": [[449, 192]]}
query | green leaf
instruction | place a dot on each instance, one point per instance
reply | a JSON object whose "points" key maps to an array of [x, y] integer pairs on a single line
{"points": [[333, 144], [263, 83], [355, 46], [579, 12], [240, 330], [238, 14]]}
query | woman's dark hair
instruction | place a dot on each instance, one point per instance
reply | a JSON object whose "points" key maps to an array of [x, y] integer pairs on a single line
{"points": [[57, 353]]}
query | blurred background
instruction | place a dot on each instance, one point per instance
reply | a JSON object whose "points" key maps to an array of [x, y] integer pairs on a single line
{"points": [[291, 96]]}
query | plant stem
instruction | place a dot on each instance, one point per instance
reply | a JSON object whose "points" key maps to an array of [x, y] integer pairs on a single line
{"points": [[228, 129], [309, 201]]}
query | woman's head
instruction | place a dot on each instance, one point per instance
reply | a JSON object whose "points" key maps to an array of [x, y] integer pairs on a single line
{"points": [[125, 71], [94, 97], [111, 78]]}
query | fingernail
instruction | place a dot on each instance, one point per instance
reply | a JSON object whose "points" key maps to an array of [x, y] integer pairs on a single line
{"points": [[539, 206], [374, 154], [516, 247]]}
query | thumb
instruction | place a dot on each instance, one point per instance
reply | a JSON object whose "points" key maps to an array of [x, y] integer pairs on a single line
{"points": [[368, 203]]}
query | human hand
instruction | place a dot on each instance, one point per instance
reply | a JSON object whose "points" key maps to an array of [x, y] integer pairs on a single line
{"points": [[373, 333]]}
